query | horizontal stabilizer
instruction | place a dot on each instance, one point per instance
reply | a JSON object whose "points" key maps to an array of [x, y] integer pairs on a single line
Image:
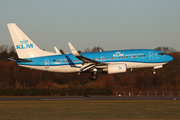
{"points": [[19, 60]]}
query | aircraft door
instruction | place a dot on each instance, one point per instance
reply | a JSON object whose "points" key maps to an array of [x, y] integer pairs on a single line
{"points": [[151, 56], [46, 63], [102, 59]]}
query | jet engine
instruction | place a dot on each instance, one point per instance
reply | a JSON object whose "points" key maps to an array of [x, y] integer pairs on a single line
{"points": [[116, 68]]}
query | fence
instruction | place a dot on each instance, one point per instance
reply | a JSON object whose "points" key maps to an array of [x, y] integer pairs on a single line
{"points": [[147, 93]]}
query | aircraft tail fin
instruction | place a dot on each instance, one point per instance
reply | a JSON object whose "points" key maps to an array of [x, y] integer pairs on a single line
{"points": [[24, 46]]}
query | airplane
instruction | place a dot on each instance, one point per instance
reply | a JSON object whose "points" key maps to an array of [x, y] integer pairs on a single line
{"points": [[108, 62]]}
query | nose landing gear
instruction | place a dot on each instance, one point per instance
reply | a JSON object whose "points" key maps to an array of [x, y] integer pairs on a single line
{"points": [[153, 72], [156, 67]]}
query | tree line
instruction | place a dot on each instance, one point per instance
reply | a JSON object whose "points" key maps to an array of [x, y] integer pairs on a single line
{"points": [[13, 76]]}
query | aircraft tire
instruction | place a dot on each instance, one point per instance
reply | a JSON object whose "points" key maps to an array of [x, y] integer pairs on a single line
{"points": [[92, 77]]}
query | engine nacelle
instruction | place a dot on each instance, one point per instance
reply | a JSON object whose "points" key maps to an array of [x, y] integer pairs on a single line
{"points": [[116, 68]]}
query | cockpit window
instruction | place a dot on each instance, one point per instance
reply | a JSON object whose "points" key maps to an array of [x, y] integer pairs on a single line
{"points": [[160, 53]]}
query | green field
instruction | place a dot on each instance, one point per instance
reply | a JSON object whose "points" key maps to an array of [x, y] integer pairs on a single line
{"points": [[127, 110]]}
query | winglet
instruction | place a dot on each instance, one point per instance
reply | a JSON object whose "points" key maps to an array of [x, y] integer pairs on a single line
{"points": [[57, 51], [73, 50]]}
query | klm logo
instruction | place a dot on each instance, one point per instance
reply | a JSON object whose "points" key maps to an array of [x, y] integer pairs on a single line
{"points": [[24, 45], [119, 67], [117, 54]]}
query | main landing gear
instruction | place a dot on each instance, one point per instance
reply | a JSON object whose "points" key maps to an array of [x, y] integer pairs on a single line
{"points": [[93, 75]]}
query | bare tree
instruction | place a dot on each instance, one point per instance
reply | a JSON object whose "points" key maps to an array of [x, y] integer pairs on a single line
{"points": [[62, 52], [87, 50], [166, 49], [97, 49], [4, 48], [12, 49], [79, 51], [12, 52]]}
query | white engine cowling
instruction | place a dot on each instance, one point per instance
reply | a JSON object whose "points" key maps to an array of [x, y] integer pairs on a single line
{"points": [[116, 68]]}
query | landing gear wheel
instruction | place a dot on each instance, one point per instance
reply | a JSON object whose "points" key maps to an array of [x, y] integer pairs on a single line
{"points": [[153, 72], [92, 77]]}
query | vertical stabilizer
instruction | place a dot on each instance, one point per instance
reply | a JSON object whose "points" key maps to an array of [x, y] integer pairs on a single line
{"points": [[24, 46]]}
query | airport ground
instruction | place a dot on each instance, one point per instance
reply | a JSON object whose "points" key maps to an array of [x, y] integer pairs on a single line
{"points": [[46, 109]]}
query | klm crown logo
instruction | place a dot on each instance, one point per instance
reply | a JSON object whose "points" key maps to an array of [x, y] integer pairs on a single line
{"points": [[119, 67], [24, 45], [24, 41]]}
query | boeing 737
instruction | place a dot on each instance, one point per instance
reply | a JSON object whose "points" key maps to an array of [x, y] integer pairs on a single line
{"points": [[109, 62]]}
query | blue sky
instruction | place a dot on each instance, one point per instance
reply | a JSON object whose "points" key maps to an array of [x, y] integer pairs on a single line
{"points": [[110, 24]]}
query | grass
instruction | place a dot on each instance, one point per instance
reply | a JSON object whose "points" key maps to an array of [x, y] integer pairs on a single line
{"points": [[124, 110]]}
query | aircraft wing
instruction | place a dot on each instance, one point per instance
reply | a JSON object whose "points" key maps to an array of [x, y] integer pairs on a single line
{"points": [[87, 62]]}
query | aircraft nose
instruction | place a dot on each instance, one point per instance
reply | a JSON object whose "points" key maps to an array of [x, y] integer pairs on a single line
{"points": [[169, 58]]}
